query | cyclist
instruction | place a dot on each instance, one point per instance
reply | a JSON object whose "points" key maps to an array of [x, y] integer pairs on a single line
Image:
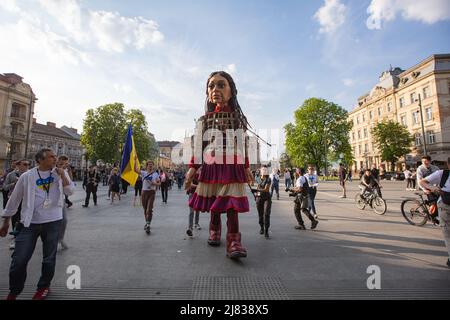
{"points": [[369, 182]]}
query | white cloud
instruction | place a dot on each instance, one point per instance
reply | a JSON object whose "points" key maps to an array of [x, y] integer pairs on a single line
{"points": [[348, 82], [430, 11], [331, 16], [231, 68], [109, 31], [114, 32], [9, 5]]}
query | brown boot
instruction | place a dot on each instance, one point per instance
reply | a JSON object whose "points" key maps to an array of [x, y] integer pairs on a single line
{"points": [[214, 234], [234, 247]]}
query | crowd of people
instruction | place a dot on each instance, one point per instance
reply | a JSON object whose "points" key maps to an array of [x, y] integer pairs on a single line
{"points": [[36, 200]]}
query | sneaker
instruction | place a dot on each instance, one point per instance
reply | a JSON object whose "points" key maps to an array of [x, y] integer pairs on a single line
{"points": [[316, 217], [343, 197], [41, 294], [314, 224], [197, 226], [11, 297], [261, 231], [69, 205], [189, 232], [300, 227], [266, 234], [84, 206], [12, 244], [146, 226]]}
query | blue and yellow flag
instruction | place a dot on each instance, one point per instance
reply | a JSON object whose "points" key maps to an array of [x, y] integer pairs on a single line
{"points": [[129, 159]]}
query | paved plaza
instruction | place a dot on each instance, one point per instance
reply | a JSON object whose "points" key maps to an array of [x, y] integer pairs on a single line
{"points": [[118, 260]]}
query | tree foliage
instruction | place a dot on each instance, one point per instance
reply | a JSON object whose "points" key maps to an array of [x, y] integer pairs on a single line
{"points": [[393, 140], [320, 130], [105, 129]]}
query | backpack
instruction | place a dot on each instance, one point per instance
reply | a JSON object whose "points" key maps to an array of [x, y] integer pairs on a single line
{"points": [[445, 196]]}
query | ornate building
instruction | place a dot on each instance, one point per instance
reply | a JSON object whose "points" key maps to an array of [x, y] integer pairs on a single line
{"points": [[16, 111], [63, 140], [398, 96]]}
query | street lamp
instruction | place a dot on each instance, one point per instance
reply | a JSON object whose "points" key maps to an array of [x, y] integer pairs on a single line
{"points": [[423, 128]]}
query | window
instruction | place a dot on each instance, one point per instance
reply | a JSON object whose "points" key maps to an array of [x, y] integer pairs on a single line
{"points": [[353, 136], [426, 92], [418, 139], [413, 97], [370, 115], [431, 137], [379, 111], [357, 120], [18, 111], [359, 134], [401, 102], [364, 117], [415, 116], [403, 120], [366, 148], [429, 113], [365, 133], [359, 149], [389, 105]]}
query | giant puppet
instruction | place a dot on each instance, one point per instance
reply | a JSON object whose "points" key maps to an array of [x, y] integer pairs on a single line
{"points": [[224, 174]]}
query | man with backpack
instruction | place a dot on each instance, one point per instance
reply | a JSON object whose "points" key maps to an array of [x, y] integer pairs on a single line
{"points": [[439, 182], [301, 201]]}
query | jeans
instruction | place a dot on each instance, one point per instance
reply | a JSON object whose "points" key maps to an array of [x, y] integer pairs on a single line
{"points": [[288, 183], [89, 190], [25, 245], [191, 215], [264, 206], [311, 197], [164, 191], [275, 186]]}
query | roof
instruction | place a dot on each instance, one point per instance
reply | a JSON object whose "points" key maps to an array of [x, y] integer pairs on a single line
{"points": [[169, 144], [51, 131]]}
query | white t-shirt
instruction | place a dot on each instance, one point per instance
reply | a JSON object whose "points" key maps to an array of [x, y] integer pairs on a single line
{"points": [[300, 181], [53, 212], [312, 180], [147, 179], [407, 174], [435, 178]]}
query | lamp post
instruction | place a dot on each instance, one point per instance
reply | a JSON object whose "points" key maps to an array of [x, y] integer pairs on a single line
{"points": [[423, 127]]}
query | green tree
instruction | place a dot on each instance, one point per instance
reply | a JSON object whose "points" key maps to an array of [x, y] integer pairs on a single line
{"points": [[393, 140], [103, 132], [319, 133]]}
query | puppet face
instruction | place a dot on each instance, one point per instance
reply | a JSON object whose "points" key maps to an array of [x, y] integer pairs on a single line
{"points": [[219, 91]]}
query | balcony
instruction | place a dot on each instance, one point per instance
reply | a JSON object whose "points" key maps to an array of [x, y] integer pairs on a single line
{"points": [[9, 135]]}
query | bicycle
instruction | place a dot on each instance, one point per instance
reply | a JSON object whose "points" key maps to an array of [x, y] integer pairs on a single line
{"points": [[372, 199], [417, 213]]}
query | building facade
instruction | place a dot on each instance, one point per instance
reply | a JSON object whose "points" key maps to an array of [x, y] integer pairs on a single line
{"points": [[16, 111], [407, 97], [63, 140]]}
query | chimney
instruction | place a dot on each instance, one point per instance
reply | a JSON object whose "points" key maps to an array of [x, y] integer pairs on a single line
{"points": [[51, 124]]}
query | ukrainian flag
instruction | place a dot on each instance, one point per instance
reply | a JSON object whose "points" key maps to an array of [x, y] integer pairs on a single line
{"points": [[129, 159]]}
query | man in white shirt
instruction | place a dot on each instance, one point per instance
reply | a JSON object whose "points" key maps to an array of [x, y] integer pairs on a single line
{"points": [[41, 191], [150, 181], [301, 201], [313, 182], [435, 183]]}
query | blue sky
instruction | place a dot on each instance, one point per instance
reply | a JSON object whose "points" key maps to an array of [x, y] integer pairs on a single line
{"points": [[156, 55]]}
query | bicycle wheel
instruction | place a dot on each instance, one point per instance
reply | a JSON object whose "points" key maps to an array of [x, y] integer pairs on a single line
{"points": [[379, 205], [414, 212], [360, 203]]}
